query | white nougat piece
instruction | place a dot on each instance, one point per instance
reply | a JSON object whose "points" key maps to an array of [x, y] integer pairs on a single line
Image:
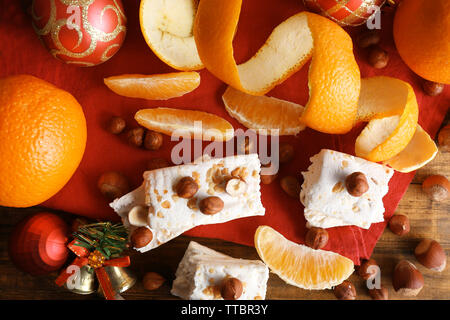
{"points": [[326, 199], [170, 215], [202, 271]]}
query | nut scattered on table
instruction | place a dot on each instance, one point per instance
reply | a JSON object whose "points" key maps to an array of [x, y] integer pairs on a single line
{"points": [[437, 187], [152, 281], [267, 178], [379, 294], [153, 140], [356, 184], [211, 205], [444, 139], [345, 291], [116, 125], [432, 88], [291, 186], [135, 137], [235, 187], [377, 57], [157, 163], [407, 279], [369, 38], [399, 224], [141, 237], [113, 185], [186, 188], [286, 152], [316, 238], [138, 216], [431, 255], [231, 289], [368, 269]]}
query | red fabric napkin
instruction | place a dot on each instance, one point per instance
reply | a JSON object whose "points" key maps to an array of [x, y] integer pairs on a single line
{"points": [[22, 52]]}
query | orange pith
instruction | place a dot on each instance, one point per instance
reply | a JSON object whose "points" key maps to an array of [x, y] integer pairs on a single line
{"points": [[154, 87]]}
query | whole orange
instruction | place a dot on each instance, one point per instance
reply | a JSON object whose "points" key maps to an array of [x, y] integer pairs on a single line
{"points": [[422, 37], [42, 140]]}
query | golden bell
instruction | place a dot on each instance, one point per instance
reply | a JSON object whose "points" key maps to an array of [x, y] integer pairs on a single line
{"points": [[121, 279], [82, 282]]}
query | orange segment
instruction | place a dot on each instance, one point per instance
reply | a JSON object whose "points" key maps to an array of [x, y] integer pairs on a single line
{"points": [[154, 87], [262, 112], [186, 123], [300, 265]]}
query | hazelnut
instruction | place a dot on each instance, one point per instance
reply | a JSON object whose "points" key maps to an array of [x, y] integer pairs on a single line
{"points": [[113, 185], [406, 279], [116, 125], [369, 38], [153, 140], [152, 280], [138, 216], [379, 294], [316, 238], [432, 88], [368, 269], [377, 57], [286, 152], [235, 187], [291, 186], [431, 255], [356, 184], [231, 289], [399, 224], [436, 187], [345, 291], [135, 137], [157, 163], [186, 188], [141, 237], [267, 178], [444, 139], [211, 205]]}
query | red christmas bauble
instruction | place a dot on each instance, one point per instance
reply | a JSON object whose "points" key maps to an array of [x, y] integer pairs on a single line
{"points": [[82, 32], [345, 12]]}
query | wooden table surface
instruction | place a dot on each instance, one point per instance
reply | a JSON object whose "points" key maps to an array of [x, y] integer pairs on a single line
{"points": [[428, 220]]}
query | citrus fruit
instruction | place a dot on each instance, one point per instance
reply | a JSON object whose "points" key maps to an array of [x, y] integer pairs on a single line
{"points": [[42, 140], [422, 37], [262, 112], [167, 29], [186, 123], [300, 265], [154, 87]]}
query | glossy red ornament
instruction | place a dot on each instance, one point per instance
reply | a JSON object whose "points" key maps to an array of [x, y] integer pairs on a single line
{"points": [[38, 244], [81, 32], [345, 12]]}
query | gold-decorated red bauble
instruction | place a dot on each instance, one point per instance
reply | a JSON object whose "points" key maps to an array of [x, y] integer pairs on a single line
{"points": [[81, 32], [345, 12]]}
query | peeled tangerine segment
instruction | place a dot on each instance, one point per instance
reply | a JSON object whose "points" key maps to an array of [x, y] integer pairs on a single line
{"points": [[300, 265], [154, 87], [278, 117], [186, 123], [334, 78], [167, 29]]}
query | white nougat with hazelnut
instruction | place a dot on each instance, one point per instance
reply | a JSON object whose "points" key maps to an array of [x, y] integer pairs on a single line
{"points": [[327, 201], [170, 215], [203, 272]]}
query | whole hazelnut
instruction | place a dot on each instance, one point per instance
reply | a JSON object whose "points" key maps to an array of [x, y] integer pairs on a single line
{"points": [[113, 185], [431, 255], [157, 163], [152, 280], [116, 125], [432, 88], [141, 237], [153, 140], [407, 279], [291, 186], [377, 57], [356, 184], [316, 238], [369, 38], [379, 294], [267, 178], [399, 224], [286, 152], [231, 289], [211, 205], [135, 137], [186, 187], [368, 269], [345, 291], [444, 139], [437, 187]]}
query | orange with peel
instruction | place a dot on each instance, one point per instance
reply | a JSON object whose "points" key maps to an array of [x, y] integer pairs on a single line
{"points": [[422, 37], [42, 140], [194, 124], [154, 87], [299, 265]]}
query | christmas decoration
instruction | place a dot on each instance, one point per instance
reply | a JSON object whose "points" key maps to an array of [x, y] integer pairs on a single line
{"points": [[38, 244], [97, 246], [345, 12], [85, 33]]}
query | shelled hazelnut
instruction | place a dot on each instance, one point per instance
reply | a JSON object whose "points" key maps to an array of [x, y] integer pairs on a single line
{"points": [[267, 178], [356, 184], [113, 185], [286, 152], [141, 237], [368, 269], [432, 88], [431, 255], [379, 294], [135, 137], [407, 279], [232, 289], [316, 238], [437, 187], [157, 163], [291, 186], [444, 139], [186, 187], [369, 38], [153, 140], [152, 281], [399, 224], [377, 57], [211, 205], [345, 291], [116, 125]]}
